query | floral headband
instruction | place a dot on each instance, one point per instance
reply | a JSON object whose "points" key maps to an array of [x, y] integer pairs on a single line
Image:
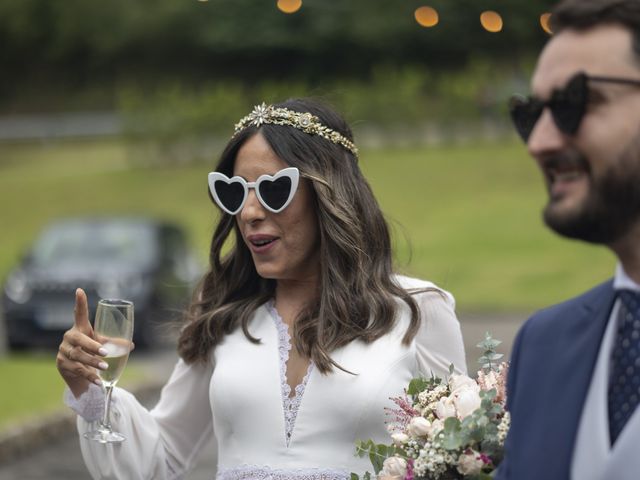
{"points": [[302, 121]]}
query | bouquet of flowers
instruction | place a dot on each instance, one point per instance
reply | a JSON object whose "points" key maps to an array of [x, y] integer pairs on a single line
{"points": [[446, 429]]}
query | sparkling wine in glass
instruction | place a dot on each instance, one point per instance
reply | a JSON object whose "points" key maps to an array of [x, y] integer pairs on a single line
{"points": [[113, 328]]}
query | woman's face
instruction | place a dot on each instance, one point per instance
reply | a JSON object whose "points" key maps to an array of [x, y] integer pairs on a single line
{"points": [[285, 245]]}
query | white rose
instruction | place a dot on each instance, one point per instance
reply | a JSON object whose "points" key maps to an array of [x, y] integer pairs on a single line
{"points": [[419, 427], [462, 381], [399, 439], [470, 463], [393, 468], [445, 408], [466, 400]]}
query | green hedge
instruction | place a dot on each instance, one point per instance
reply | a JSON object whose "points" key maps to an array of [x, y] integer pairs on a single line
{"points": [[180, 123]]}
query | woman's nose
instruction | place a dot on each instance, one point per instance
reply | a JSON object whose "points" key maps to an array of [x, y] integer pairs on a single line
{"points": [[252, 209]]}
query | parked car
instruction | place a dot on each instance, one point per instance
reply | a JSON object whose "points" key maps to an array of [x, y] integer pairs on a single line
{"points": [[142, 260]]}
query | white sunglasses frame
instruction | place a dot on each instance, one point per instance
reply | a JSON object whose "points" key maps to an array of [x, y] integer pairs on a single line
{"points": [[291, 172]]}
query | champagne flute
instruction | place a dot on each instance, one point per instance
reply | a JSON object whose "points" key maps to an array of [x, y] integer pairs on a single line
{"points": [[113, 328]]}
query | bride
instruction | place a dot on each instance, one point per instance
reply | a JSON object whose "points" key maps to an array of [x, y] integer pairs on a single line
{"points": [[297, 335]]}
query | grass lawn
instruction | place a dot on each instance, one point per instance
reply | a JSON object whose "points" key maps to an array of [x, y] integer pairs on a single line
{"points": [[464, 216], [33, 387]]}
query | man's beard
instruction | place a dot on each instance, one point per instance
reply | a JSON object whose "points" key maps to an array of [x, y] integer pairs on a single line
{"points": [[612, 205]]}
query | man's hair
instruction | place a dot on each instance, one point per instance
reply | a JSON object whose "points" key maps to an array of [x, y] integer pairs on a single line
{"points": [[584, 14], [357, 297]]}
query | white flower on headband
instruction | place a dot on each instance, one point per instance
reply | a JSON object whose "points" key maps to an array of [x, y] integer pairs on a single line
{"points": [[260, 114], [304, 121]]}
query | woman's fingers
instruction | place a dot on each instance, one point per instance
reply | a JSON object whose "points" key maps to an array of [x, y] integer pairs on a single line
{"points": [[81, 313], [79, 355], [71, 369], [76, 338]]}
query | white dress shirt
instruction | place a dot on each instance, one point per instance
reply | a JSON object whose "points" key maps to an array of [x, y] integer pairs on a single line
{"points": [[593, 456]]}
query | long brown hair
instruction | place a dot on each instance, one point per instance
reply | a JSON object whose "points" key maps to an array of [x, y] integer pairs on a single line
{"points": [[357, 296]]}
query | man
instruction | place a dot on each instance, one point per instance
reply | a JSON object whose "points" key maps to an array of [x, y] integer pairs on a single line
{"points": [[574, 382]]}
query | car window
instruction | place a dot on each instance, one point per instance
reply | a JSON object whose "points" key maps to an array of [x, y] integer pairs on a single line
{"points": [[96, 242]]}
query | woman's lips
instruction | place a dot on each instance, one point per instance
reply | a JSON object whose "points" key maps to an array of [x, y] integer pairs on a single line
{"points": [[261, 243]]}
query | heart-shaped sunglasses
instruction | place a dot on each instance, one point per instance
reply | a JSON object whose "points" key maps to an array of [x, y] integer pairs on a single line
{"points": [[567, 104], [274, 192]]}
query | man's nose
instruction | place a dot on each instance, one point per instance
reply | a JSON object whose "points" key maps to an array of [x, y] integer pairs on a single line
{"points": [[545, 137]]}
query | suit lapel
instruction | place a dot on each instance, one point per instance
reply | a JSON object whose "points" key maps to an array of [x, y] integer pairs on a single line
{"points": [[577, 341]]}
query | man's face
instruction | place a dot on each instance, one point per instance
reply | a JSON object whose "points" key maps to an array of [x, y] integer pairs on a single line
{"points": [[593, 176]]}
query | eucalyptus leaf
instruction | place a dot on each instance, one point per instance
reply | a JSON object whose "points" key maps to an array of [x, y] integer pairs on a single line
{"points": [[452, 434], [489, 343], [417, 385], [477, 434]]}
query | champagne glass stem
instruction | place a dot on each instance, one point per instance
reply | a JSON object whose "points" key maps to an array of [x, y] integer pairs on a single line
{"points": [[106, 424]]}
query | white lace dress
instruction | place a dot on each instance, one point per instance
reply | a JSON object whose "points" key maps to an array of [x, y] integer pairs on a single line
{"points": [[241, 396]]}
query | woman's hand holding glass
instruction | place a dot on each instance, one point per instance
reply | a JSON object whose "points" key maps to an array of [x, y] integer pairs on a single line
{"points": [[80, 356], [104, 347]]}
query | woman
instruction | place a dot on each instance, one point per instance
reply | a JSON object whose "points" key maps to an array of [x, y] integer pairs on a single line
{"points": [[310, 266]]}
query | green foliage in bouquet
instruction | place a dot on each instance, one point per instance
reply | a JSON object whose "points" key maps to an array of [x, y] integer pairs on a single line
{"points": [[446, 429], [489, 356]]}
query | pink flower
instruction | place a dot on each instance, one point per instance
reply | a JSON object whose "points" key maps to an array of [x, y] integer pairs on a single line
{"points": [[401, 416], [409, 475], [495, 379]]}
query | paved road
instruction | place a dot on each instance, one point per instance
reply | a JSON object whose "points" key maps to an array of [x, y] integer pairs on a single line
{"points": [[62, 460]]}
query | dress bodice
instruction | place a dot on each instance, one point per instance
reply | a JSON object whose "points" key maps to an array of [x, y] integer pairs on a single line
{"points": [[334, 410]]}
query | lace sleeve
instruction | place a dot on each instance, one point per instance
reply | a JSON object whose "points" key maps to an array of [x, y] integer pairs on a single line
{"points": [[161, 444], [89, 405]]}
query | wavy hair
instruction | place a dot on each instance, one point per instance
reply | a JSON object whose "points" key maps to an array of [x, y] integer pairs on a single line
{"points": [[357, 295]]}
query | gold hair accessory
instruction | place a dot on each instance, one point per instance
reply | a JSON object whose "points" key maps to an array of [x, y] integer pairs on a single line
{"points": [[302, 121]]}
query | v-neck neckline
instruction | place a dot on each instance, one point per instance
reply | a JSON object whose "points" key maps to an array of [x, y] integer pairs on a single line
{"points": [[290, 404]]}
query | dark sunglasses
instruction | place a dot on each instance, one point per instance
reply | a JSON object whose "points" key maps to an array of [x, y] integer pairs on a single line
{"points": [[274, 192], [567, 105]]}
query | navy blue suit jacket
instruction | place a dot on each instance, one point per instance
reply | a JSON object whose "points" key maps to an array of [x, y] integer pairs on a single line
{"points": [[552, 361]]}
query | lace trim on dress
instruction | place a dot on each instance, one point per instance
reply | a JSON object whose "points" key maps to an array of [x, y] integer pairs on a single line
{"points": [[255, 472], [290, 404], [90, 405]]}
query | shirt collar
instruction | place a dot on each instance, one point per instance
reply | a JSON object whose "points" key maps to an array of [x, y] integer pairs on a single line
{"points": [[622, 281]]}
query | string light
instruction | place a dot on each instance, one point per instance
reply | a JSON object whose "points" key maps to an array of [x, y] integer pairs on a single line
{"points": [[426, 16], [289, 6], [544, 22], [491, 21]]}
